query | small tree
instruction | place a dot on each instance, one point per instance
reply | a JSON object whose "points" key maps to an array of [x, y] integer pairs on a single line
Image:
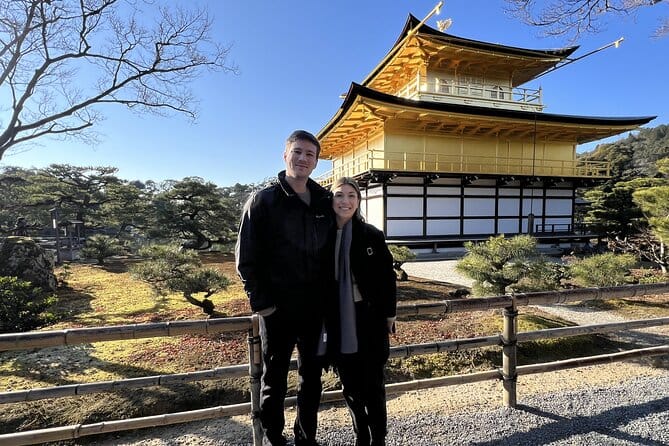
{"points": [[600, 270], [498, 263], [169, 268], [101, 246], [400, 255], [22, 305]]}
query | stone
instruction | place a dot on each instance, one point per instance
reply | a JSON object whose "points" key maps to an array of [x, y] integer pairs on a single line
{"points": [[25, 259]]}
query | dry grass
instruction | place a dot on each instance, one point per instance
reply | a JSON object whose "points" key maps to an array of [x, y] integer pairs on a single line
{"points": [[634, 308]]}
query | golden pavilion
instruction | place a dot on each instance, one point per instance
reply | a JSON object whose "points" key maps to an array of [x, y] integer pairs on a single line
{"points": [[449, 145]]}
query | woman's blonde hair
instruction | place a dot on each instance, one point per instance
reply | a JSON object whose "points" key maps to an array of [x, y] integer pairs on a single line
{"points": [[354, 184]]}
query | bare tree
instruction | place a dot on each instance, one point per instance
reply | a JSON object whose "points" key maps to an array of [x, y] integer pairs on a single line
{"points": [[576, 17], [60, 60]]}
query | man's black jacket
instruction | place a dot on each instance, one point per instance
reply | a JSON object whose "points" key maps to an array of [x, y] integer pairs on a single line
{"points": [[281, 246]]}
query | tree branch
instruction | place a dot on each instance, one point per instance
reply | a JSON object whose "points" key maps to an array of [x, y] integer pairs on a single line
{"points": [[137, 67], [573, 17]]}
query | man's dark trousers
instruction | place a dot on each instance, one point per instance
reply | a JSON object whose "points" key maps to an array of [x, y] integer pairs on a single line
{"points": [[280, 333]]}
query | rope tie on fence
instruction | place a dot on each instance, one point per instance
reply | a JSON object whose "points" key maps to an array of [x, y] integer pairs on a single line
{"points": [[507, 342], [508, 378]]}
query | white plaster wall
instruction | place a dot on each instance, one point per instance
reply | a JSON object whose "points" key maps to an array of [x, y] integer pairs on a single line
{"points": [[484, 226], [405, 207], [559, 193], [443, 191], [532, 205], [375, 212], [479, 191], [509, 192], [405, 190], [443, 227], [443, 207], [507, 225], [556, 206], [479, 207], [508, 207], [405, 228]]}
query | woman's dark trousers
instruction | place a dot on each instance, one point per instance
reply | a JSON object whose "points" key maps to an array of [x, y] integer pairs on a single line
{"points": [[363, 386]]}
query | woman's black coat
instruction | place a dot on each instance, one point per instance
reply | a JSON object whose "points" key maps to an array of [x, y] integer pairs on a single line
{"points": [[372, 268]]}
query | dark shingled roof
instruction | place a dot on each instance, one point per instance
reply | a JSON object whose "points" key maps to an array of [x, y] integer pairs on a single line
{"points": [[357, 90], [412, 22]]}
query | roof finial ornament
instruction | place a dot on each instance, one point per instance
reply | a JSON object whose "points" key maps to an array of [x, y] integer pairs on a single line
{"points": [[443, 25]]}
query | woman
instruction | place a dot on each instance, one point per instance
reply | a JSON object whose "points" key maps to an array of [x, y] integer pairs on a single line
{"points": [[364, 314]]}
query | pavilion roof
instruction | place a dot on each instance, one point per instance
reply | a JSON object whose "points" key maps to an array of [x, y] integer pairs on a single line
{"points": [[418, 43], [365, 111]]}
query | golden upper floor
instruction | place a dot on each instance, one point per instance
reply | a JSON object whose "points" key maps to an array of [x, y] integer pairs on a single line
{"points": [[427, 64]]}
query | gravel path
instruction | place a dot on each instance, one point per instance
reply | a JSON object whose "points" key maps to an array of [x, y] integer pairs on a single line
{"points": [[624, 403]]}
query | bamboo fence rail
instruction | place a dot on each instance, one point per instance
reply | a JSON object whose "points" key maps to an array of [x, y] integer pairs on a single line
{"points": [[41, 339], [507, 339], [73, 336], [238, 371]]}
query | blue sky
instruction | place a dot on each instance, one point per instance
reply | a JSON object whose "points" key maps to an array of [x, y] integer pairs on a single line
{"points": [[297, 57]]}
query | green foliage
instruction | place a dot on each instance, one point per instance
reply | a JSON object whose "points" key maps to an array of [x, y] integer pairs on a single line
{"points": [[23, 306], [634, 156], [195, 212], [400, 255], [13, 199], [93, 195], [101, 246], [654, 202], [498, 263], [633, 165], [601, 270], [613, 211], [169, 268], [542, 275]]}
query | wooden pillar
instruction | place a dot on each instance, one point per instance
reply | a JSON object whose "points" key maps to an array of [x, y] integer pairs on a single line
{"points": [[255, 375], [509, 354]]}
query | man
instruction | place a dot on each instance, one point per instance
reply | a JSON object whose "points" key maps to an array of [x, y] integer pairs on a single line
{"points": [[279, 251]]}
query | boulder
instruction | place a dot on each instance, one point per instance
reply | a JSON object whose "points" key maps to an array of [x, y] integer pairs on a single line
{"points": [[25, 259]]}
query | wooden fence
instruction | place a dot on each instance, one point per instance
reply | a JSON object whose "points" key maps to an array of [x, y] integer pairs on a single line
{"points": [[507, 339]]}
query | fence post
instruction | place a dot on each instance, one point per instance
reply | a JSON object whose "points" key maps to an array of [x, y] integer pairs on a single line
{"points": [[509, 354], [255, 375]]}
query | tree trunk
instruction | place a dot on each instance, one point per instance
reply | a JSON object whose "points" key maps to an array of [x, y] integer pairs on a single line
{"points": [[206, 304]]}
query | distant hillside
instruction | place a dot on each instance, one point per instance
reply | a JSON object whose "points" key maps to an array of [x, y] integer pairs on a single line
{"points": [[634, 156]]}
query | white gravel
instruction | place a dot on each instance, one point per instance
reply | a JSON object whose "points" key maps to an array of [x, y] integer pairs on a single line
{"points": [[615, 404], [439, 270]]}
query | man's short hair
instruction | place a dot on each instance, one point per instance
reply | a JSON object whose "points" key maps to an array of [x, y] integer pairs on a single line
{"points": [[303, 135]]}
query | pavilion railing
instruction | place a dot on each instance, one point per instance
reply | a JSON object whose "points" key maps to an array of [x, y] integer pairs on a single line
{"points": [[431, 162]]}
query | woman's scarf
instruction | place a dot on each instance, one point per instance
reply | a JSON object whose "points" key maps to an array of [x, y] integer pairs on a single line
{"points": [[349, 337]]}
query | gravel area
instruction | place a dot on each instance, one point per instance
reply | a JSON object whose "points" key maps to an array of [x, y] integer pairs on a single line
{"points": [[440, 270], [613, 411], [625, 403]]}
